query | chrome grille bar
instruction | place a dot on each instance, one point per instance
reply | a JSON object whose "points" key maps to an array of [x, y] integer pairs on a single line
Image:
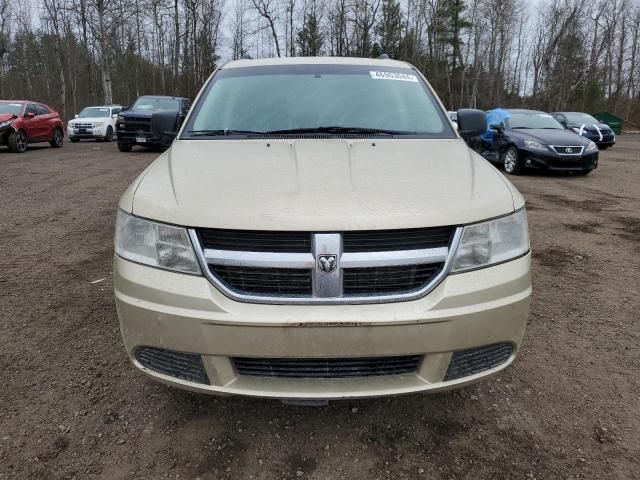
{"points": [[393, 258], [233, 258]]}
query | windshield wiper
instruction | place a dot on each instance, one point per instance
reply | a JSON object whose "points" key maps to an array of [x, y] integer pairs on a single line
{"points": [[222, 132], [338, 130]]}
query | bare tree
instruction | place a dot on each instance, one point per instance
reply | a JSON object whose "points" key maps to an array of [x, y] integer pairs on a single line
{"points": [[266, 10]]}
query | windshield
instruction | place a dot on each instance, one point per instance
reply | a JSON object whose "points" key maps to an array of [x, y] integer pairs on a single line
{"points": [[580, 119], [332, 99], [150, 104], [14, 108], [533, 120], [95, 112]]}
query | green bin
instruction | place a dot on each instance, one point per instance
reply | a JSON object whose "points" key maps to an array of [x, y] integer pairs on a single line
{"points": [[615, 122]]}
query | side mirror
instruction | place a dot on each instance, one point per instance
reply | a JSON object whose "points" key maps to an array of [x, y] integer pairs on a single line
{"points": [[124, 109], [30, 115], [471, 122], [75, 116], [166, 124]]}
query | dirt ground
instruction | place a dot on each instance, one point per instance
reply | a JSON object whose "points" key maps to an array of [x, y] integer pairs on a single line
{"points": [[72, 407]]}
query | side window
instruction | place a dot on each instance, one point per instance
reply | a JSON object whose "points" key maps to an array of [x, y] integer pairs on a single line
{"points": [[31, 108], [115, 110], [42, 110]]}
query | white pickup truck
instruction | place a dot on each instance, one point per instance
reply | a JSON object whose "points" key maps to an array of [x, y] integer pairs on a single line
{"points": [[94, 122]]}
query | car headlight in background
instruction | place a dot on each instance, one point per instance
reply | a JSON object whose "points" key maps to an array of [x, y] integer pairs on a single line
{"points": [[591, 147], [5, 123], [98, 124], [154, 244], [576, 129], [533, 145], [495, 241]]}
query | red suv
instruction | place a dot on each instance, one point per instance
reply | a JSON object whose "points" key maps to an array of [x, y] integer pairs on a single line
{"points": [[23, 122]]}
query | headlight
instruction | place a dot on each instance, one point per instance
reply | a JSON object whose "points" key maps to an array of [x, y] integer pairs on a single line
{"points": [[154, 244], [120, 118], [495, 241], [591, 147], [5, 123], [98, 124], [533, 145], [575, 129]]}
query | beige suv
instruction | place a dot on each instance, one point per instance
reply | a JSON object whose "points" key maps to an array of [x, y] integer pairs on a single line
{"points": [[320, 230]]}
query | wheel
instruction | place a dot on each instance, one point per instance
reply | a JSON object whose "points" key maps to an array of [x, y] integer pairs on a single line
{"points": [[74, 139], [109, 136], [512, 161], [124, 147], [18, 142], [58, 138]]}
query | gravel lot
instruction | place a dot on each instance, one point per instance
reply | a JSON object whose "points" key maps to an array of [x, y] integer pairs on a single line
{"points": [[71, 405]]}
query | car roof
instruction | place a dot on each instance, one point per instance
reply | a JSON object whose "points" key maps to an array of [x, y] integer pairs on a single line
{"points": [[262, 62], [576, 113], [162, 96], [522, 110]]}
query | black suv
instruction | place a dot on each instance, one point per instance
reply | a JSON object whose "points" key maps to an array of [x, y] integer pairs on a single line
{"points": [[152, 121], [523, 139]]}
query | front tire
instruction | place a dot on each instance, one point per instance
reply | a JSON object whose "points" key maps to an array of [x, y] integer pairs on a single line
{"points": [[124, 147], [109, 136], [58, 138], [512, 162], [18, 141]]}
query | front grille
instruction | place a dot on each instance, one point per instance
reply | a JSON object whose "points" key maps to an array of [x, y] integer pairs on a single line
{"points": [[136, 124], [185, 366], [83, 125], [386, 280], [285, 266], [326, 367], [389, 240], [255, 241], [265, 281], [476, 360], [568, 149]]}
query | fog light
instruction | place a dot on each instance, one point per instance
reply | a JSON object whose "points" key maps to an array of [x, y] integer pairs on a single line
{"points": [[528, 162]]}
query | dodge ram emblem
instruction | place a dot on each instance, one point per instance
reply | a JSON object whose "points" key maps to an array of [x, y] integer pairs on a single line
{"points": [[327, 263]]}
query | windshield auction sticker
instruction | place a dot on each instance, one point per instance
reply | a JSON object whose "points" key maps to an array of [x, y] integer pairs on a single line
{"points": [[403, 77]]}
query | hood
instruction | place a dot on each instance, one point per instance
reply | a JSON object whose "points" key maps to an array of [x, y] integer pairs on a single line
{"points": [[90, 119], [591, 126], [131, 113], [549, 136], [320, 185], [6, 116]]}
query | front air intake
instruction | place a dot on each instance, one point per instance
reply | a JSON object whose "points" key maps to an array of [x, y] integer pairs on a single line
{"points": [[185, 366]]}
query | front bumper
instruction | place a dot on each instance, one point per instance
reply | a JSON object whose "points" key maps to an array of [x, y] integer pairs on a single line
{"points": [[94, 132], [128, 137], [183, 313], [562, 163]]}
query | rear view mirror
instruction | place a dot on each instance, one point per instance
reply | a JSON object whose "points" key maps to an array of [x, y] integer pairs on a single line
{"points": [[471, 122]]}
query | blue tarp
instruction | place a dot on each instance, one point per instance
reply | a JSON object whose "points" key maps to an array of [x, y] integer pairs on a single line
{"points": [[494, 117]]}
